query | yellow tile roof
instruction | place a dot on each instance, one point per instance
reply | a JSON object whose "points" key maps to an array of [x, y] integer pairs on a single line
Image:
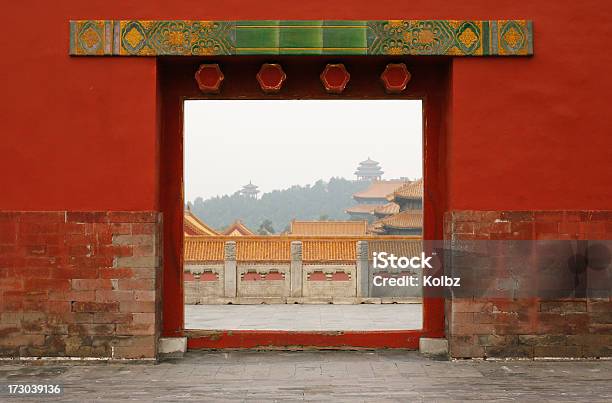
{"points": [[363, 208], [278, 248], [404, 219], [194, 226], [413, 190], [269, 249], [341, 250], [328, 228], [408, 248], [387, 209], [203, 249], [380, 189], [237, 228]]}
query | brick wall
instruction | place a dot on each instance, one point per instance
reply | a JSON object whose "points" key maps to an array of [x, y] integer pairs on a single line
{"points": [[529, 326], [79, 284]]}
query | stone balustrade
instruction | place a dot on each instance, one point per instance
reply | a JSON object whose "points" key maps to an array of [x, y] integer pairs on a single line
{"points": [[294, 271]]}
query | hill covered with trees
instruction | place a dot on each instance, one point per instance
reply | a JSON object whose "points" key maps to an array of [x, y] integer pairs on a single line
{"points": [[274, 211]]}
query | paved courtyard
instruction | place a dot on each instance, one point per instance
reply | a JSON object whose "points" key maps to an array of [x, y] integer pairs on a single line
{"points": [[320, 376], [304, 317]]}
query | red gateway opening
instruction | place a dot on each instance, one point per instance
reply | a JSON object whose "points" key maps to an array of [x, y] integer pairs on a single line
{"points": [[200, 255]]}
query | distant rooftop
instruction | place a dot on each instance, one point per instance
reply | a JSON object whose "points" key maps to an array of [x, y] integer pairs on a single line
{"points": [[329, 228], [380, 189]]}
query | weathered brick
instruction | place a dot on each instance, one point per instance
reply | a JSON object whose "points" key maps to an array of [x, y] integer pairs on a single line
{"points": [[143, 250], [143, 228], [597, 351], [57, 273], [133, 239], [6, 330], [136, 329], [542, 340], [93, 329], [38, 228], [70, 317], [42, 217], [563, 306], [509, 351], [465, 347], [136, 284], [114, 251], [588, 340], [601, 317], [87, 217], [91, 284], [567, 323], [137, 306], [107, 317], [22, 339], [8, 232], [142, 352], [141, 295], [115, 273], [599, 306], [56, 306], [144, 318], [144, 273], [133, 216], [137, 261], [590, 228], [469, 305], [95, 306], [13, 284], [489, 340], [75, 273], [557, 351], [72, 295], [35, 284], [114, 295]]}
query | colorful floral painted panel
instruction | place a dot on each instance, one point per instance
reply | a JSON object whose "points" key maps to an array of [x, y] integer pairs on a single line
{"points": [[394, 37]]}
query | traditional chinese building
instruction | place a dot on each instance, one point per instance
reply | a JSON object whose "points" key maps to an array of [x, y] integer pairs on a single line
{"points": [[372, 198], [369, 170], [403, 215], [250, 190]]}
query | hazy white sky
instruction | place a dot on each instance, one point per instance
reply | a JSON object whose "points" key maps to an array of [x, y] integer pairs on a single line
{"points": [[279, 143]]}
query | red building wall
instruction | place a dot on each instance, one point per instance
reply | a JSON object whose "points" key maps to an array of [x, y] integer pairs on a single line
{"points": [[82, 134]]}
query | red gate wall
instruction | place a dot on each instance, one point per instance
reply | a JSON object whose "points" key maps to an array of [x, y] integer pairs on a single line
{"points": [[82, 134]]}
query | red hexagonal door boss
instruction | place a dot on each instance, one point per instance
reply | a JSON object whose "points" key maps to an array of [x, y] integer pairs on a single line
{"points": [[395, 77], [271, 77], [209, 78], [335, 78]]}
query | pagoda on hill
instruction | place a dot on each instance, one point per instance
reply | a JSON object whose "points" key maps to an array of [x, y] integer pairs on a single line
{"points": [[249, 190], [369, 170]]}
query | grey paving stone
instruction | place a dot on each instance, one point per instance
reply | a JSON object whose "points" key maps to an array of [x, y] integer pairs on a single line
{"points": [[360, 376]]}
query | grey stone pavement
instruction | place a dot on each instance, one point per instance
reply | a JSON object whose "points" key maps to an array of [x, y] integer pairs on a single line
{"points": [[304, 317], [357, 376]]}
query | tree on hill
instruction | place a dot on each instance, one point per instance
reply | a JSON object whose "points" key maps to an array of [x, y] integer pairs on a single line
{"points": [[310, 202], [265, 228]]}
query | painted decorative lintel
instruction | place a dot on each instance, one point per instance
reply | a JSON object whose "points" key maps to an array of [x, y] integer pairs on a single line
{"points": [[274, 37]]}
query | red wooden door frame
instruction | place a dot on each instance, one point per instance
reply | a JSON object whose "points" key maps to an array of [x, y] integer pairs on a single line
{"points": [[430, 83]]}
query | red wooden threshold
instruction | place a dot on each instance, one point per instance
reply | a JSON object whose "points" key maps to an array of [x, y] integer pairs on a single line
{"points": [[279, 339]]}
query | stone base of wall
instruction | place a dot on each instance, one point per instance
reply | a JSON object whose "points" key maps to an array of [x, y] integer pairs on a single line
{"points": [[529, 327], [80, 284]]}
